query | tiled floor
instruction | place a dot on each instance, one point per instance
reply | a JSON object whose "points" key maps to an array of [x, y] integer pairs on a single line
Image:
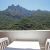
{"points": [[42, 48]]}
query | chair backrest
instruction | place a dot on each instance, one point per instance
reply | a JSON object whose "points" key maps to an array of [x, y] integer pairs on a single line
{"points": [[4, 42], [47, 45]]}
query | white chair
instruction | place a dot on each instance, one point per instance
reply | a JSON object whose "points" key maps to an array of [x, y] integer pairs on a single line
{"points": [[4, 43], [47, 45]]}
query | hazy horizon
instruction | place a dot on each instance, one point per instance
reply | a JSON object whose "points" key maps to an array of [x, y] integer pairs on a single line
{"points": [[28, 4]]}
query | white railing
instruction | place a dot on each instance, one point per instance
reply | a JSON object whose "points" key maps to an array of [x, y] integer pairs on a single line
{"points": [[4, 43]]}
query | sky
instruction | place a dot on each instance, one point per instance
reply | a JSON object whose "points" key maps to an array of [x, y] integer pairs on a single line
{"points": [[28, 4]]}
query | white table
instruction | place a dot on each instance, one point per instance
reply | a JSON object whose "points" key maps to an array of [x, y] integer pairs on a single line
{"points": [[25, 45]]}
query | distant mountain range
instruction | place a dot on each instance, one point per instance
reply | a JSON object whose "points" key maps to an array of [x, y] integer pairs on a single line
{"points": [[17, 17], [18, 11]]}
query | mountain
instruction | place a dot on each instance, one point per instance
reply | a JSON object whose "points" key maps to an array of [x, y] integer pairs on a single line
{"points": [[18, 11]]}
